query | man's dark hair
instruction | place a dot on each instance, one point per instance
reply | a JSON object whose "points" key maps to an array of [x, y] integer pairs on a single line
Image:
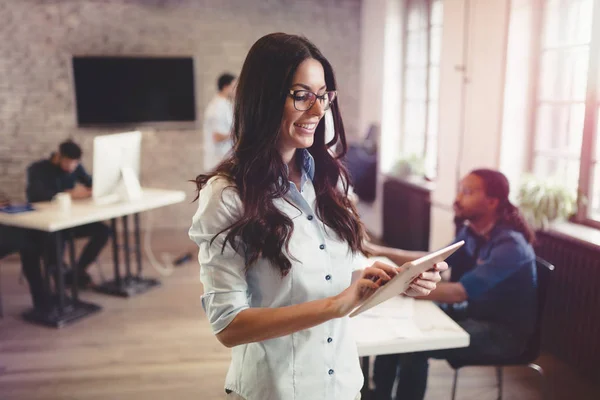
{"points": [[70, 149], [497, 186], [225, 80]]}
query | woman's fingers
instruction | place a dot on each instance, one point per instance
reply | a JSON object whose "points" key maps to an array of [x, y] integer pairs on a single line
{"points": [[441, 266], [391, 271], [429, 285], [415, 290], [376, 272], [434, 277]]}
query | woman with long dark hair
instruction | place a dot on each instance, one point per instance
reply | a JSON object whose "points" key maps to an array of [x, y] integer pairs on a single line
{"points": [[278, 238]]}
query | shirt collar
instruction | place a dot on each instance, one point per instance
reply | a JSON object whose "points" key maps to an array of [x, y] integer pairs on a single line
{"points": [[308, 163], [308, 166], [486, 233]]}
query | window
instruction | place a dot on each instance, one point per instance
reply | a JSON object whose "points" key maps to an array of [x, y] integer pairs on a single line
{"points": [[420, 93], [567, 100]]}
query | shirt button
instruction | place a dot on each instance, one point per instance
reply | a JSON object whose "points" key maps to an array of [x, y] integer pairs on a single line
{"points": [[310, 217], [329, 340], [322, 247], [330, 372], [327, 277]]}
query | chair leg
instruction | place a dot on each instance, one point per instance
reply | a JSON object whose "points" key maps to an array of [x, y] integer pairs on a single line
{"points": [[540, 371], [500, 379], [455, 383]]}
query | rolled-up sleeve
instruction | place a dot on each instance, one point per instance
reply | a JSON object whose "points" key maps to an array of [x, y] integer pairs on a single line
{"points": [[222, 270]]}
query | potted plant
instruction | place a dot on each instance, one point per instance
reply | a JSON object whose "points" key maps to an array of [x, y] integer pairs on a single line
{"points": [[411, 165], [542, 202]]}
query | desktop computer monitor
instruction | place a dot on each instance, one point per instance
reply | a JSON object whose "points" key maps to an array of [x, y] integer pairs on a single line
{"points": [[116, 170]]}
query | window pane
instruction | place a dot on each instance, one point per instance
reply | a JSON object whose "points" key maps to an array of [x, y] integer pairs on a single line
{"points": [[574, 136], [434, 83], [560, 128], [435, 45], [413, 145], [437, 12], [432, 119], [417, 15], [594, 194], [431, 158], [415, 87], [416, 49], [432, 133], [551, 121], [565, 172], [564, 74], [567, 22], [414, 117]]}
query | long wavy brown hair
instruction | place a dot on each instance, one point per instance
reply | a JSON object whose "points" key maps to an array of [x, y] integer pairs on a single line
{"points": [[255, 167], [496, 186]]}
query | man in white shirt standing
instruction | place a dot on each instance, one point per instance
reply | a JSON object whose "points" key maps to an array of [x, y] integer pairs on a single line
{"points": [[218, 121]]}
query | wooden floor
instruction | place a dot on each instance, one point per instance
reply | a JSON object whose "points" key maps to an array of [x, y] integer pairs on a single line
{"points": [[159, 346]]}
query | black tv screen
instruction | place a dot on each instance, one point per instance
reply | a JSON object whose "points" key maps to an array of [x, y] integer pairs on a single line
{"points": [[125, 90]]}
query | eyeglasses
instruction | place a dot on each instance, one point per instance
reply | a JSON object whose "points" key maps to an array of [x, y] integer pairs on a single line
{"points": [[305, 99]]}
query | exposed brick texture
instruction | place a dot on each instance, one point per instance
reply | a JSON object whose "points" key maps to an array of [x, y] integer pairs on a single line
{"points": [[39, 37]]}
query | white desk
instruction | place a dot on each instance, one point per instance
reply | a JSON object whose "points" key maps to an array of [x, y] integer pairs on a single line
{"points": [[47, 217], [436, 330], [423, 327]]}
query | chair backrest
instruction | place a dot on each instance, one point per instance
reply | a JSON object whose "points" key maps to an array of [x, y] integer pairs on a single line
{"points": [[544, 273]]}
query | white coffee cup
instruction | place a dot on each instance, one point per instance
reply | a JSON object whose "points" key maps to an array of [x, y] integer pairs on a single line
{"points": [[63, 200]]}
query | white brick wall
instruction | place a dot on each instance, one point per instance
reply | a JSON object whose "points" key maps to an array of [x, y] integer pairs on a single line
{"points": [[38, 38]]}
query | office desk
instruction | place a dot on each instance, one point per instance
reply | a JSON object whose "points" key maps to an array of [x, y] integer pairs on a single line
{"points": [[48, 218], [424, 327]]}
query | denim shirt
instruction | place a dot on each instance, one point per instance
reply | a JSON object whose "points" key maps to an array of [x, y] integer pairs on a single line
{"points": [[316, 363], [499, 276]]}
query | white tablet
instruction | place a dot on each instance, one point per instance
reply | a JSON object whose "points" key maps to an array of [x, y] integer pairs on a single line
{"points": [[400, 283]]}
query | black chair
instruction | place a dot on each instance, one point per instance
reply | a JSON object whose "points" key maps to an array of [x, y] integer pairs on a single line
{"points": [[532, 351]]}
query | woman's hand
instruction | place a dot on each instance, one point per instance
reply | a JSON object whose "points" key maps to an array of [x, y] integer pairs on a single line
{"points": [[427, 282], [371, 279]]}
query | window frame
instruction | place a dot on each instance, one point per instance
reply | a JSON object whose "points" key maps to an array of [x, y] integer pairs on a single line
{"points": [[404, 98], [592, 105]]}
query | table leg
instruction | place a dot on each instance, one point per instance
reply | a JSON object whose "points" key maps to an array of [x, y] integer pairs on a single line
{"points": [[115, 250], [125, 222], [60, 312], [138, 247], [131, 285], [74, 269], [59, 277]]}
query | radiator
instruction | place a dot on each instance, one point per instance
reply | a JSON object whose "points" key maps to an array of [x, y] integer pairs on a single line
{"points": [[571, 325]]}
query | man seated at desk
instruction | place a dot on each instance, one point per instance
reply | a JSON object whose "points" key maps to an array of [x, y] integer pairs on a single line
{"points": [[63, 172], [14, 240], [492, 290]]}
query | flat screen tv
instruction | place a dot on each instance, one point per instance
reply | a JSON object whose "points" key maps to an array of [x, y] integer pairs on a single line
{"points": [[132, 90]]}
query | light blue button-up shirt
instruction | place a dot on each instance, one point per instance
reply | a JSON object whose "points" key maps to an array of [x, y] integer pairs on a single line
{"points": [[312, 364]]}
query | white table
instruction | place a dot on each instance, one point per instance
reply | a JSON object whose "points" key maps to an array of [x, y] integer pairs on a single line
{"points": [[436, 330], [422, 327], [47, 217]]}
